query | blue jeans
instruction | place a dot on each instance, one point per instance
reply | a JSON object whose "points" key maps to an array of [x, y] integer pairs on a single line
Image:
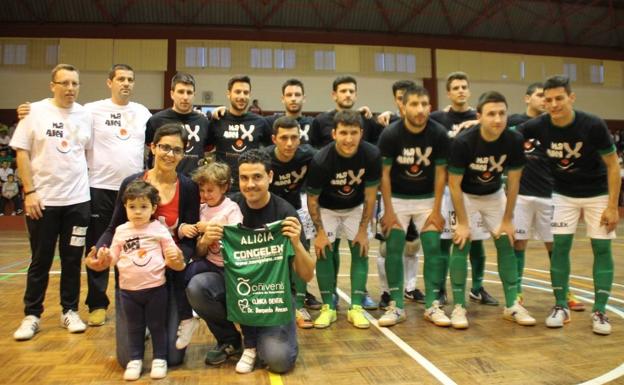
{"points": [[276, 345]]}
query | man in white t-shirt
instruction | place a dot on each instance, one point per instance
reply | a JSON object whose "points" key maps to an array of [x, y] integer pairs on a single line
{"points": [[117, 152], [50, 144]]}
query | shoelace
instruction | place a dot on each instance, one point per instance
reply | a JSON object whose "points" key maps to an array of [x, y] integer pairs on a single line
{"points": [[556, 310], [601, 317]]}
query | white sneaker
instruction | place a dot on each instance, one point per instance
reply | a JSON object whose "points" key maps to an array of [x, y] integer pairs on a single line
{"points": [[558, 316], [518, 314], [458, 317], [133, 370], [436, 315], [185, 332], [27, 329], [247, 361], [600, 323], [159, 368], [392, 316], [72, 322]]}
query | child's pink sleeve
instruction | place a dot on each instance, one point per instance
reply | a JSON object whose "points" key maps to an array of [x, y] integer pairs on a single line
{"points": [[115, 250], [235, 216]]}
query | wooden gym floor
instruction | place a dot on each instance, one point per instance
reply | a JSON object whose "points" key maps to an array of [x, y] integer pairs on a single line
{"points": [[491, 351]]}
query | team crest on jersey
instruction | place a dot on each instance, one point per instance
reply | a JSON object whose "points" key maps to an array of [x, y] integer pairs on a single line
{"points": [[303, 133], [63, 146], [245, 134], [122, 134], [488, 166], [565, 153]]}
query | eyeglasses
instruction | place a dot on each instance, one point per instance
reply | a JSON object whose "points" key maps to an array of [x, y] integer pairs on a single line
{"points": [[177, 151], [67, 83]]}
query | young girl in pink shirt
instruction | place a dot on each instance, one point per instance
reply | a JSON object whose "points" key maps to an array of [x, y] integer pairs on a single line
{"points": [[141, 249]]}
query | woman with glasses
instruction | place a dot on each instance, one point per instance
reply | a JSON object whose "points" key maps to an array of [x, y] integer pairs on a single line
{"points": [[179, 205]]}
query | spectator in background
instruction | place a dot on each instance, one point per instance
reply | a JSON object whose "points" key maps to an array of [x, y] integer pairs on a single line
{"points": [[5, 171], [255, 107], [5, 156], [10, 192], [5, 138]]}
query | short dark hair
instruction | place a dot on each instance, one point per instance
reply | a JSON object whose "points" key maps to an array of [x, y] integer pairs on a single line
{"points": [[116, 67], [171, 129], [457, 75], [490, 97], [348, 118], [285, 122], [256, 156], [558, 81], [293, 82], [533, 86], [343, 79], [401, 85], [184, 78], [59, 67], [414, 90], [238, 79], [139, 188]]}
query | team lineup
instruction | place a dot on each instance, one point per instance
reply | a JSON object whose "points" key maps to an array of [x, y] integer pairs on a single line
{"points": [[234, 237]]}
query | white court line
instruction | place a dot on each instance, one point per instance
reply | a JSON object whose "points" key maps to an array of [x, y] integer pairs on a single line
{"points": [[422, 361]]}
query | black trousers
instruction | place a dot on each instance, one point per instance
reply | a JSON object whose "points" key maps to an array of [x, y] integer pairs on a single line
{"points": [[102, 206], [68, 224]]}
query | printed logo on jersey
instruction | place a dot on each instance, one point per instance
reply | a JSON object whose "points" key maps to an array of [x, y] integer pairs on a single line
{"points": [[415, 157], [488, 166], [58, 131], [138, 256], [303, 133], [347, 179], [292, 179], [193, 137], [565, 153], [232, 132], [114, 122]]}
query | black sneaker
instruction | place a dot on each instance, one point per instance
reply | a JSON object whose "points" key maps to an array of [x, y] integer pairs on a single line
{"points": [[311, 302], [442, 300], [415, 295], [220, 353], [384, 301], [483, 297]]}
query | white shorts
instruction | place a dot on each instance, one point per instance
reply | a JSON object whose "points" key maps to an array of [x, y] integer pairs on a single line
{"points": [[478, 233], [491, 207], [568, 211], [532, 217], [341, 222], [417, 210]]}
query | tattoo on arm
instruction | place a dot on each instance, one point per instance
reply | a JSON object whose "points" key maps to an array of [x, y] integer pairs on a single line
{"points": [[365, 217], [315, 214]]}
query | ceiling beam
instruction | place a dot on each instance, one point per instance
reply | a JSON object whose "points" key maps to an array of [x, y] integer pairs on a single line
{"points": [[447, 16], [384, 15], [243, 4], [199, 10], [319, 14], [484, 15], [30, 11], [416, 10], [272, 12], [346, 7], [104, 12], [127, 5]]}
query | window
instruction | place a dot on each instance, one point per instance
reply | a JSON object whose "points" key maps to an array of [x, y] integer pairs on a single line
{"points": [[202, 57], [569, 70], [51, 54], [325, 60], [272, 58], [400, 62], [596, 73], [522, 70], [14, 54]]}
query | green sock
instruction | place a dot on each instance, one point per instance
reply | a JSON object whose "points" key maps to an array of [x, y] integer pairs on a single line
{"points": [[433, 265], [458, 265], [359, 274], [520, 265], [603, 272], [445, 254], [395, 244], [336, 261], [477, 261], [507, 268], [560, 267], [300, 289], [326, 277]]}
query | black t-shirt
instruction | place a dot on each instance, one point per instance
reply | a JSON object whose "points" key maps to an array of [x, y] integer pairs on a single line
{"points": [[340, 181], [288, 178], [483, 163], [276, 210], [451, 119], [413, 157], [195, 124], [537, 177], [575, 152], [323, 124], [305, 122], [232, 135]]}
